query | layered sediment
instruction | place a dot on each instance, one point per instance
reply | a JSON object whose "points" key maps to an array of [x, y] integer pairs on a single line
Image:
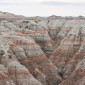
{"points": [[42, 51]]}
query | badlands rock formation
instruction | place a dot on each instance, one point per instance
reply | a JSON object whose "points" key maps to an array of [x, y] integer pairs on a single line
{"points": [[42, 51]]}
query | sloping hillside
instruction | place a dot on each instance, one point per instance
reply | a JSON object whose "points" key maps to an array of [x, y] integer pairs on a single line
{"points": [[41, 51]]}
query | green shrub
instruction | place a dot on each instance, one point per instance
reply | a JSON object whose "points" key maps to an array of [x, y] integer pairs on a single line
{"points": [[36, 21], [2, 52], [10, 56], [26, 27]]}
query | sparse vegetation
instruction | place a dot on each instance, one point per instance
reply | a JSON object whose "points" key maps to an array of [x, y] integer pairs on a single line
{"points": [[10, 56], [26, 27], [36, 21], [2, 52]]}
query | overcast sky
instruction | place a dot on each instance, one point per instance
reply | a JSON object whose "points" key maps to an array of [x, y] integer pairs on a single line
{"points": [[44, 7]]}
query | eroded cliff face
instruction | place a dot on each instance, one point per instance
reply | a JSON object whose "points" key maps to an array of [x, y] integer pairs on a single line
{"points": [[41, 51]]}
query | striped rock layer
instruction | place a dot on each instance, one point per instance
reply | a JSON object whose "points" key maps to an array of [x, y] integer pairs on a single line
{"points": [[42, 51]]}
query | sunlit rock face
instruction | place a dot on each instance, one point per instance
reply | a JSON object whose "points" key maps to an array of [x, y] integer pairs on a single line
{"points": [[68, 47], [43, 39], [17, 72], [24, 50], [4, 76], [42, 51], [77, 76]]}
